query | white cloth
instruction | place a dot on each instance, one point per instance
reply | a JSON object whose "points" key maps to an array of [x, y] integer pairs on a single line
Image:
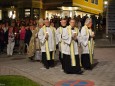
{"points": [[79, 25], [84, 39], [10, 47], [59, 36], [38, 55], [11, 37], [41, 36], [5, 29], [67, 41], [11, 43]]}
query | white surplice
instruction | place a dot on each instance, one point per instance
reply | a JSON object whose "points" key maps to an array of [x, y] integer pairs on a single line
{"points": [[51, 41], [67, 39], [59, 33], [85, 34]]}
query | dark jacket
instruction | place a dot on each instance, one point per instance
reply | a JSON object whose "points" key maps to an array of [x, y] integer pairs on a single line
{"points": [[6, 36], [1, 35], [28, 36]]}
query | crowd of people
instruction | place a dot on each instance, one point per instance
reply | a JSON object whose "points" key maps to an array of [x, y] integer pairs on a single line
{"points": [[33, 37], [16, 34], [98, 21]]}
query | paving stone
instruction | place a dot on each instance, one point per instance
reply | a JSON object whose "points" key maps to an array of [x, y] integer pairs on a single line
{"points": [[102, 75]]}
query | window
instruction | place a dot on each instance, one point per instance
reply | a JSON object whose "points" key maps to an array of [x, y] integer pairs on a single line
{"points": [[12, 14], [27, 12], [86, 0], [36, 13], [94, 1]]}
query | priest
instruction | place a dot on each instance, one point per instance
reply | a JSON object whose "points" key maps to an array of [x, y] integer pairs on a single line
{"points": [[59, 33], [71, 61], [87, 44], [47, 37]]}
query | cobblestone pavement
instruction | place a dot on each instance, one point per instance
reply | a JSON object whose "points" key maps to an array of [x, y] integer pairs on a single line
{"points": [[103, 74]]}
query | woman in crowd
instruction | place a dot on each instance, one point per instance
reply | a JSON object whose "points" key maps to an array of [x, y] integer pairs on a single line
{"points": [[22, 38], [10, 41]]}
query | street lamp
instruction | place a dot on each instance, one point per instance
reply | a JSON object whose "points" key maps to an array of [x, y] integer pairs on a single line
{"points": [[106, 7], [105, 2]]}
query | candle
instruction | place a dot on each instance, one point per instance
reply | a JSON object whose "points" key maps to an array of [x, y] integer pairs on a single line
{"points": [[74, 33], [47, 33], [93, 33]]}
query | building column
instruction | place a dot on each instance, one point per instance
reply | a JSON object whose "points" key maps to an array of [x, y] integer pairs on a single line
{"points": [[31, 13], [42, 13]]}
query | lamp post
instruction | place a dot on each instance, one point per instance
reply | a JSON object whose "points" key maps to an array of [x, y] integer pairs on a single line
{"points": [[107, 26], [106, 5]]}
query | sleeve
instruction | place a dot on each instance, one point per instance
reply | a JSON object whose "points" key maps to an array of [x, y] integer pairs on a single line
{"points": [[79, 37], [41, 36], [84, 37], [66, 38], [58, 35], [26, 37]]}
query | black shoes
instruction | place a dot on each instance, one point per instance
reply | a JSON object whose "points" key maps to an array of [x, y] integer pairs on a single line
{"points": [[47, 67], [80, 72], [31, 58], [88, 68]]}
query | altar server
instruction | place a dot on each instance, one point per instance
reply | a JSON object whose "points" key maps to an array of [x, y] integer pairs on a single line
{"points": [[47, 39], [87, 44], [71, 61]]}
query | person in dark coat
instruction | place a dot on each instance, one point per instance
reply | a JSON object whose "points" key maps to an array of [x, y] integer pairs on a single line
{"points": [[1, 39], [27, 37]]}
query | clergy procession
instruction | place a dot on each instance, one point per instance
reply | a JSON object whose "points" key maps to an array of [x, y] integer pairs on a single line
{"points": [[67, 40], [42, 41]]}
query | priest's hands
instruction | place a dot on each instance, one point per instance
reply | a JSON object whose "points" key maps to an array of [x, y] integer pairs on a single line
{"points": [[74, 37], [93, 35]]}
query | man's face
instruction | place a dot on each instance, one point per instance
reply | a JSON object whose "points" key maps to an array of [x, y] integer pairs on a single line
{"points": [[63, 22], [90, 24], [26, 27], [41, 25], [31, 27], [13, 24], [72, 23], [47, 22], [11, 29]]}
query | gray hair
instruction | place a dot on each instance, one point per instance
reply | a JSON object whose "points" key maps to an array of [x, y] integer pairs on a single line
{"points": [[87, 21], [41, 20]]}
